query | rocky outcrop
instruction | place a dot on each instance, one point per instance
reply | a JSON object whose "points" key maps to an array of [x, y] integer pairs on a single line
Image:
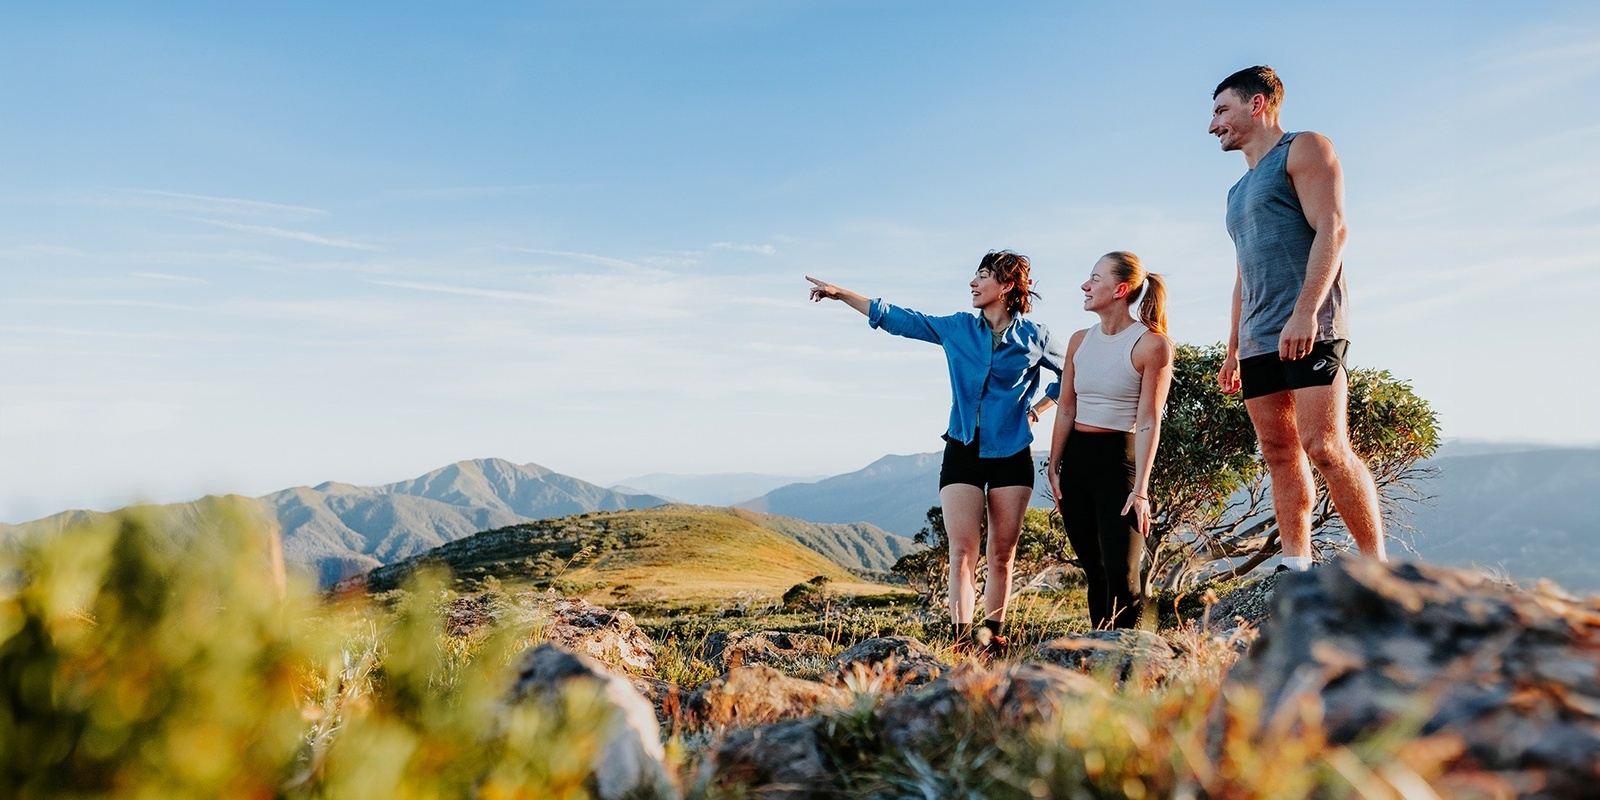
{"points": [[1118, 653], [787, 651], [629, 762], [610, 636], [759, 694], [913, 663], [1247, 605], [1014, 696], [776, 762], [1510, 677]]}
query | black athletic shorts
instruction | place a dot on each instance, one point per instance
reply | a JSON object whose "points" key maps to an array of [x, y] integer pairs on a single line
{"points": [[1267, 374], [962, 465]]}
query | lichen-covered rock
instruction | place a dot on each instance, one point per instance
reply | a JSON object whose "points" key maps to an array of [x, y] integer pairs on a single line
{"points": [[1247, 605], [913, 662], [1513, 674], [783, 761], [611, 636], [468, 614], [1119, 653], [786, 651], [759, 694], [1014, 696], [629, 762]]}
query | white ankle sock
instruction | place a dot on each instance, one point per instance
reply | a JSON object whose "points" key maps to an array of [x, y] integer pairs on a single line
{"points": [[1297, 563]]}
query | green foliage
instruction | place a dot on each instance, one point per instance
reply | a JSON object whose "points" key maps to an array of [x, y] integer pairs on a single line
{"points": [[1208, 446], [1208, 458], [134, 664]]}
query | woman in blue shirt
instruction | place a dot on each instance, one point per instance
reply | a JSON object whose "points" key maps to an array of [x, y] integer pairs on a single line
{"points": [[994, 358]]}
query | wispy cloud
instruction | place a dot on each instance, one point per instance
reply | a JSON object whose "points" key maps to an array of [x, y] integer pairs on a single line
{"points": [[588, 258], [283, 233], [214, 204], [759, 249], [460, 192], [94, 303], [470, 291], [168, 277]]}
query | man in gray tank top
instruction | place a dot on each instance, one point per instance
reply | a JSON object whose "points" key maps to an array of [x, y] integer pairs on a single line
{"points": [[1289, 332]]}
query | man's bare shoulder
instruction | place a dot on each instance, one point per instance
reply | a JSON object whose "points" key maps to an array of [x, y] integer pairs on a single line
{"points": [[1311, 147]]}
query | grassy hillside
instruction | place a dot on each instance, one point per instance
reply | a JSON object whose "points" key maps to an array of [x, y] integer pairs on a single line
{"points": [[670, 553], [858, 545]]}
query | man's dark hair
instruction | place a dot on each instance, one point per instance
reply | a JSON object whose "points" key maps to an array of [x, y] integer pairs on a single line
{"points": [[1248, 83]]}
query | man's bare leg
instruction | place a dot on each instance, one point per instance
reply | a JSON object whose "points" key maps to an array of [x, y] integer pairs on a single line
{"points": [[1321, 416], [1274, 418]]}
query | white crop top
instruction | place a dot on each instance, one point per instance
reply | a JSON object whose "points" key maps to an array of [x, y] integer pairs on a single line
{"points": [[1104, 379]]}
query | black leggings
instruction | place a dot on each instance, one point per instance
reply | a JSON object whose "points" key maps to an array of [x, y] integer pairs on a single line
{"points": [[1096, 477]]}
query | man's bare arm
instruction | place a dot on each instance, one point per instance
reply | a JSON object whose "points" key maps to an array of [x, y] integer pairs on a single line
{"points": [[1319, 183], [1228, 376]]}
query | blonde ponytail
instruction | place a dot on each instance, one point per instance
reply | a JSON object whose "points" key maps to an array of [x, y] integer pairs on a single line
{"points": [[1153, 306], [1127, 268]]}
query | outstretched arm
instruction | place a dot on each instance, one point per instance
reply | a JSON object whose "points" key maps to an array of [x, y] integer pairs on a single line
{"points": [[1152, 356], [1319, 183], [821, 290]]}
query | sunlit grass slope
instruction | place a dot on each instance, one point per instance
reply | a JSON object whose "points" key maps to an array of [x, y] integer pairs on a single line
{"points": [[676, 552]]}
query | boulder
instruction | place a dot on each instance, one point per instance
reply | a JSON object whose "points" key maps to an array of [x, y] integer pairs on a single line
{"points": [[1246, 605], [1511, 676], [783, 761], [758, 694], [629, 762], [1011, 697], [468, 614], [913, 662], [611, 636], [1119, 653], [781, 649], [666, 697]]}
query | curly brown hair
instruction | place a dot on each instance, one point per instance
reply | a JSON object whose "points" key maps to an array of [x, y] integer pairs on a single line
{"points": [[1012, 268]]}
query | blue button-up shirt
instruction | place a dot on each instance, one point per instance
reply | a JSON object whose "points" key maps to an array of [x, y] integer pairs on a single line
{"points": [[995, 384]]}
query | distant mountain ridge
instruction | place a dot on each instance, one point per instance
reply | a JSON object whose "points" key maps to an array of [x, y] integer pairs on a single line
{"points": [[1534, 513], [1532, 510], [893, 493], [719, 489], [337, 530]]}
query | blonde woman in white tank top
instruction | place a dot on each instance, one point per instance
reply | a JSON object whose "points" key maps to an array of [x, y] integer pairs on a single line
{"points": [[1108, 425]]}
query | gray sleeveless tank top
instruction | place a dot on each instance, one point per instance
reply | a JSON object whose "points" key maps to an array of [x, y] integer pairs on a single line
{"points": [[1273, 242]]}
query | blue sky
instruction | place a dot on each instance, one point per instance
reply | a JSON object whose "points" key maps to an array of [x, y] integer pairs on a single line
{"points": [[244, 247]]}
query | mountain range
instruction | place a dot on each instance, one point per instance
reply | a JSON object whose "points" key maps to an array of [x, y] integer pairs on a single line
{"points": [[1530, 511], [337, 530], [893, 493], [719, 489]]}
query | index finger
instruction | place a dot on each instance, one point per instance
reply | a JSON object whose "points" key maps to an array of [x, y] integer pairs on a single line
{"points": [[815, 281]]}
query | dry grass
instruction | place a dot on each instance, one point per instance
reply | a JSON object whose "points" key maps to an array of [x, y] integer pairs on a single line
{"points": [[134, 665]]}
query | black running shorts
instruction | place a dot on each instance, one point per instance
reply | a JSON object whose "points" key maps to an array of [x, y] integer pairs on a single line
{"points": [[962, 465], [1267, 374]]}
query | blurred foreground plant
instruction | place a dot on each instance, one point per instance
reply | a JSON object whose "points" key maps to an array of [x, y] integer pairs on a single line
{"points": [[137, 664]]}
